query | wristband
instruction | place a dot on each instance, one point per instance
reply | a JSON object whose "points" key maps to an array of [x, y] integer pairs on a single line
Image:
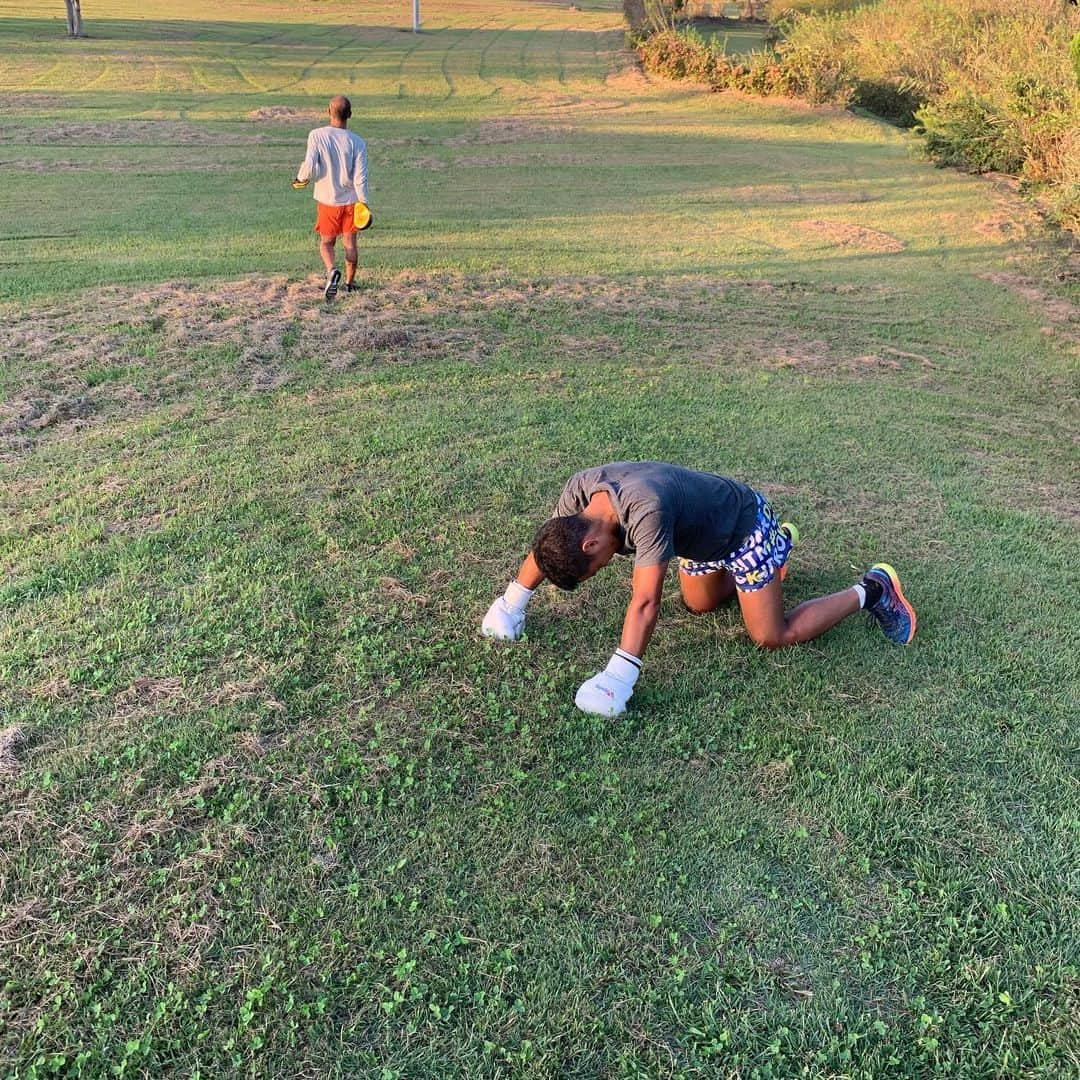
{"points": [[624, 666], [517, 596]]}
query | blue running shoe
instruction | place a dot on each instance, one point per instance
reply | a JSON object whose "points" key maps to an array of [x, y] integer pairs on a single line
{"points": [[893, 613]]}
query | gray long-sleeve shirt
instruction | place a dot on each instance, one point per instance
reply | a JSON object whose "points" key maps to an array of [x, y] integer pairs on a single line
{"points": [[337, 161]]}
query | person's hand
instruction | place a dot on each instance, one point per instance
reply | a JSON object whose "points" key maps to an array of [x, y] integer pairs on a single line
{"points": [[299, 185], [606, 694], [502, 622], [603, 695]]}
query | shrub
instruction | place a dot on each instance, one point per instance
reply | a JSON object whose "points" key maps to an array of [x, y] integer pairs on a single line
{"points": [[1011, 105], [684, 54], [1063, 196], [761, 73], [818, 61], [679, 55], [897, 99], [964, 129]]}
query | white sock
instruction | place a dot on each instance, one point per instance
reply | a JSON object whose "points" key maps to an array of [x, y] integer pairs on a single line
{"points": [[861, 592], [516, 596]]}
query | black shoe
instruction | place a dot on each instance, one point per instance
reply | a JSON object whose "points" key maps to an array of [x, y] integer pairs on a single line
{"points": [[352, 286], [332, 283]]}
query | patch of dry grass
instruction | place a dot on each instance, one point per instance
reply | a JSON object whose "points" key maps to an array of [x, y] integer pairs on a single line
{"points": [[11, 738], [847, 234], [134, 133]]}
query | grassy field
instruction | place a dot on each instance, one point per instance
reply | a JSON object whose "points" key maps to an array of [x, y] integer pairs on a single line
{"points": [[733, 36], [269, 806]]}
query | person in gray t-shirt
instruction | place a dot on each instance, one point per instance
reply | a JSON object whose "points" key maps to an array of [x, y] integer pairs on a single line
{"points": [[727, 541]]}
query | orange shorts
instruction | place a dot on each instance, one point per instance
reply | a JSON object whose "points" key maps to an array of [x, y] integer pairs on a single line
{"points": [[335, 220]]}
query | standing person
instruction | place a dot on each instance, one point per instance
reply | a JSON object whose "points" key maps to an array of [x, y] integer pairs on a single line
{"points": [[727, 541], [337, 160]]}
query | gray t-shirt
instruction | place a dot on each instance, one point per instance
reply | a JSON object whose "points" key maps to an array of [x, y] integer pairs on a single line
{"points": [[667, 511]]}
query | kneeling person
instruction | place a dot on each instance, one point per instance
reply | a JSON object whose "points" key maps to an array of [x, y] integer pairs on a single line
{"points": [[727, 541]]}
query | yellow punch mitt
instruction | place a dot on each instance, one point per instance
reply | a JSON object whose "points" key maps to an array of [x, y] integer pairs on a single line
{"points": [[299, 184], [362, 218]]}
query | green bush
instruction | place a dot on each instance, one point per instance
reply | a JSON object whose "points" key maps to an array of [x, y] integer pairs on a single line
{"points": [[679, 55], [896, 99], [818, 61], [684, 54], [967, 130]]}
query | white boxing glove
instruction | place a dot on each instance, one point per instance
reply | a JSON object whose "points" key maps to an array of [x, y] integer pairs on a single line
{"points": [[506, 616], [606, 694]]}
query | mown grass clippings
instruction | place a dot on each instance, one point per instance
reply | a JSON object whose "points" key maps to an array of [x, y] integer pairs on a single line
{"points": [[846, 233], [1062, 315], [129, 133]]}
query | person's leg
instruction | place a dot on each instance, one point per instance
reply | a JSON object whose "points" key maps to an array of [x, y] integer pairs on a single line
{"points": [[757, 570], [705, 592], [333, 274], [326, 251], [326, 227], [763, 614], [349, 241]]}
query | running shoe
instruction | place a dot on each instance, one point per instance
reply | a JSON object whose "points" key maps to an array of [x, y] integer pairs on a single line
{"points": [[332, 283], [791, 531], [892, 612]]}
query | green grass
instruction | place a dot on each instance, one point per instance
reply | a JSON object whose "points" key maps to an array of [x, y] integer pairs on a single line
{"points": [[734, 37], [277, 809]]}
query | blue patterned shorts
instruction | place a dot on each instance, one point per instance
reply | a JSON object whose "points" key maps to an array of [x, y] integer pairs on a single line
{"points": [[757, 560]]}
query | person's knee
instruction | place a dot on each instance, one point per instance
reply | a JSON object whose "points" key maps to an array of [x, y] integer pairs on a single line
{"points": [[772, 639]]}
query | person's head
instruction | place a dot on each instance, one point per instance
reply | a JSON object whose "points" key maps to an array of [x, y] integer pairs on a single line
{"points": [[340, 110], [571, 549]]}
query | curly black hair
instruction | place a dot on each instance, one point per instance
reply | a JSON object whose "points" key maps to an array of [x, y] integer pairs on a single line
{"points": [[557, 550]]}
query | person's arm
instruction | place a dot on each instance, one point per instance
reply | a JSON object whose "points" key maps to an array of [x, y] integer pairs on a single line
{"points": [[359, 177], [530, 575], [310, 165], [607, 694], [643, 609]]}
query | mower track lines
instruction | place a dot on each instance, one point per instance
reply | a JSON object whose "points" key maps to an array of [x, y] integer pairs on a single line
{"points": [[445, 63], [559, 58], [483, 56], [526, 45], [45, 74]]}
